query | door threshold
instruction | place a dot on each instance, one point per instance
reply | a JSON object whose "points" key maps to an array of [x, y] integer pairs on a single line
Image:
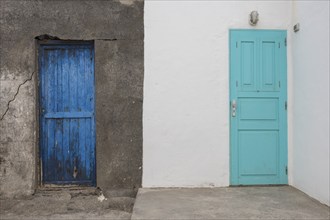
{"points": [[68, 188], [256, 185]]}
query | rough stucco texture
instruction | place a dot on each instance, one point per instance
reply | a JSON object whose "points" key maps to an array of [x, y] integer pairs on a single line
{"points": [[117, 28]]}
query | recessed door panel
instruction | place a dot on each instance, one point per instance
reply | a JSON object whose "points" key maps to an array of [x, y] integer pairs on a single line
{"points": [[248, 66], [269, 70], [265, 161], [258, 113]]}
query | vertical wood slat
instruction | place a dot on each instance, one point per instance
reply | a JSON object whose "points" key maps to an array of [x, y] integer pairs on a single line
{"points": [[57, 123], [74, 139], [66, 122], [81, 123], [91, 122], [51, 107]]}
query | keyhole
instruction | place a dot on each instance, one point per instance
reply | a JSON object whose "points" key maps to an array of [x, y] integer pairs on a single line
{"points": [[75, 172]]}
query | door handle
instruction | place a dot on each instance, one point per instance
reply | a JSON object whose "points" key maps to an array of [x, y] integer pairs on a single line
{"points": [[233, 108]]}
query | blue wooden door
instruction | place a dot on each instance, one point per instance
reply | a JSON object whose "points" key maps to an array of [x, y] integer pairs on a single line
{"points": [[67, 127], [258, 107]]}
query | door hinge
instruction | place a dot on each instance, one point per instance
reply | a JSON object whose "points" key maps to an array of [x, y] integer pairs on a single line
{"points": [[285, 41], [286, 170], [286, 105], [236, 83], [236, 44], [279, 84], [279, 45]]}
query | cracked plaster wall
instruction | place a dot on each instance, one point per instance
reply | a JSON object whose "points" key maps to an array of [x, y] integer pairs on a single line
{"points": [[119, 86]]}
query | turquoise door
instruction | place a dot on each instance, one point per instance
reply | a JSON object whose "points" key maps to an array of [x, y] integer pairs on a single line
{"points": [[258, 119]]}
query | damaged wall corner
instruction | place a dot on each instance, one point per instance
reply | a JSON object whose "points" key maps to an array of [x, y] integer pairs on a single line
{"points": [[119, 71]]}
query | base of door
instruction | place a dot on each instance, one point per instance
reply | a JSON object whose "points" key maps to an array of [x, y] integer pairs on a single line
{"points": [[259, 185], [72, 189]]}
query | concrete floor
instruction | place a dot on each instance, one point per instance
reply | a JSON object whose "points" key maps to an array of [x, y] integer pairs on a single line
{"points": [[281, 202], [62, 205]]}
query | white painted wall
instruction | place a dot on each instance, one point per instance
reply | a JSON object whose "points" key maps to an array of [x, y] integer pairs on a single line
{"points": [[186, 87], [311, 99]]}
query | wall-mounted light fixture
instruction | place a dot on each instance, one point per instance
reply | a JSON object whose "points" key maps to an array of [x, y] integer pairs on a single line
{"points": [[296, 28], [254, 18]]}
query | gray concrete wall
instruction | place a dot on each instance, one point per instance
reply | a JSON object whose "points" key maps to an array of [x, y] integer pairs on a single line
{"points": [[117, 28]]}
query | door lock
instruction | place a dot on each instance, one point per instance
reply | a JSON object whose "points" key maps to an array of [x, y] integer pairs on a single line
{"points": [[233, 108]]}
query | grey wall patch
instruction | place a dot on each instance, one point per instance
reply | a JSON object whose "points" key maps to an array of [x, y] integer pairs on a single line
{"points": [[127, 2]]}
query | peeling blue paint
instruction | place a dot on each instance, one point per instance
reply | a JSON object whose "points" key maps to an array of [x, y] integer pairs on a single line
{"points": [[67, 119]]}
